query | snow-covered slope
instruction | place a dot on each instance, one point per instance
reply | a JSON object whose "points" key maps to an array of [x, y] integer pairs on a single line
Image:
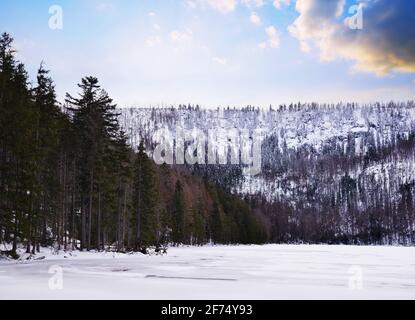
{"points": [[349, 134], [347, 170], [308, 125]]}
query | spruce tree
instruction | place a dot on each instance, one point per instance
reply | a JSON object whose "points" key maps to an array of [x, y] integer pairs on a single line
{"points": [[96, 122], [144, 202], [178, 214], [46, 144], [17, 158]]}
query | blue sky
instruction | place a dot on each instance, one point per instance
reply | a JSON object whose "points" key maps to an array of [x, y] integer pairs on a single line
{"points": [[221, 52]]}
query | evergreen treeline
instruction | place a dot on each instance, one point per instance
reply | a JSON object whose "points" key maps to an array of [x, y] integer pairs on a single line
{"points": [[69, 178]]}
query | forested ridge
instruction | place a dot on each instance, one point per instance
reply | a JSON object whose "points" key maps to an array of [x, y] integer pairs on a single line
{"points": [[78, 174], [69, 178], [330, 173]]}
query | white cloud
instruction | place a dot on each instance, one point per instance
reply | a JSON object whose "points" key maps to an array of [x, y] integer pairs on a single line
{"points": [[223, 6], [279, 3], [253, 3], [156, 26], [262, 45], [153, 41], [384, 45], [226, 6], [221, 61], [273, 37], [255, 19], [181, 36], [273, 40], [151, 14]]}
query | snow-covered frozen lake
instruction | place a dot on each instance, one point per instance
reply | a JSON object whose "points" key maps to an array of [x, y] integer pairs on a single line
{"points": [[223, 272]]}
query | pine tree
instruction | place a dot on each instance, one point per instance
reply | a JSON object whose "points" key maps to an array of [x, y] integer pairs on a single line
{"points": [[178, 214], [217, 224], [95, 120], [7, 65], [123, 174], [18, 181], [145, 215], [199, 228], [46, 145]]}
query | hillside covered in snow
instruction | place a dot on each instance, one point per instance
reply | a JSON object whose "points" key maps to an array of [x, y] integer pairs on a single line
{"points": [[346, 170]]}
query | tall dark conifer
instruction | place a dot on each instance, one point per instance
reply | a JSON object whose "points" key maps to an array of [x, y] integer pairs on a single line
{"points": [[178, 214], [145, 217], [95, 120]]}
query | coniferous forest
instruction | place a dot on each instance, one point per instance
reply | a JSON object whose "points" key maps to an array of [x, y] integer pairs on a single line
{"points": [[71, 178]]}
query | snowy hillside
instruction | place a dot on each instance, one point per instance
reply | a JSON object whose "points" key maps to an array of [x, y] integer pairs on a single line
{"points": [[346, 168], [344, 130], [294, 126]]}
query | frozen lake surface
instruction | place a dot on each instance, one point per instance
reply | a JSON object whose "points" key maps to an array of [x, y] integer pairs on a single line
{"points": [[222, 272]]}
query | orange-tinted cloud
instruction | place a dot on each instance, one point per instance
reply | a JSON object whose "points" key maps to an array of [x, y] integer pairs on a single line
{"points": [[384, 44]]}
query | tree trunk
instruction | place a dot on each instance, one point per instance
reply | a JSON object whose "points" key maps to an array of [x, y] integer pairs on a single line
{"points": [[99, 221], [91, 194], [124, 217], [83, 223]]}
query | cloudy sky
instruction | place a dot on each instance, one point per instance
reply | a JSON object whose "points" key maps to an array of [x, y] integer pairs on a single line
{"points": [[221, 52]]}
